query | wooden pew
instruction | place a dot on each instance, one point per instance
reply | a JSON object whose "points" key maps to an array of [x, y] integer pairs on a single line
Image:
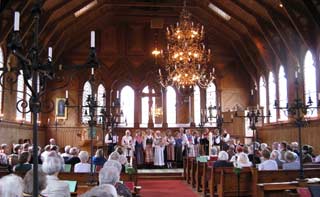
{"points": [[224, 182], [185, 166], [188, 168], [199, 175], [81, 178], [205, 178], [193, 172], [280, 176], [276, 189]]}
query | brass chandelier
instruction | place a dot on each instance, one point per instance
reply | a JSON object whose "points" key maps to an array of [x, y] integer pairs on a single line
{"points": [[186, 60]]}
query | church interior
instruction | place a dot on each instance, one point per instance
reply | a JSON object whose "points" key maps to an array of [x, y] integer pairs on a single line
{"points": [[190, 78]]}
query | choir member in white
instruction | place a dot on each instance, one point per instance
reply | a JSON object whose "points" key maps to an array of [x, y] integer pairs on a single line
{"points": [[127, 143], [159, 145]]}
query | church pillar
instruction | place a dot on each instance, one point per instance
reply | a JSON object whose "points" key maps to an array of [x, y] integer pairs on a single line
{"points": [[137, 109], [164, 107], [150, 121]]}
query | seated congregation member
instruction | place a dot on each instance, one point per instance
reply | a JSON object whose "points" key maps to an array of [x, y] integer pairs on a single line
{"points": [[28, 182], [275, 156], [105, 190], [307, 154], [45, 153], [83, 166], [74, 159], [52, 165], [222, 160], [23, 165], [111, 175], [268, 164], [99, 159], [291, 161], [4, 167], [66, 155], [13, 160], [243, 160], [113, 163], [39, 155], [11, 186]]}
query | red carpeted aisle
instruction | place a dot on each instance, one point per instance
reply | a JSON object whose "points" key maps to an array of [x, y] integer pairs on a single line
{"points": [[165, 188]]}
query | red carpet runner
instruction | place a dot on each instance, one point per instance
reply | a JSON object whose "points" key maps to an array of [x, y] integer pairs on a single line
{"points": [[165, 188]]}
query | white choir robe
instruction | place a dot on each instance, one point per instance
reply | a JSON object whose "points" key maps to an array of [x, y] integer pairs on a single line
{"points": [[158, 152], [127, 143]]}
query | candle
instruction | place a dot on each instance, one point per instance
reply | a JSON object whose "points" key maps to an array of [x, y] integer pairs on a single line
{"points": [[257, 106], [67, 94], [252, 92], [296, 74], [50, 54], [118, 94], [16, 21], [159, 72], [92, 39], [92, 71], [319, 96], [131, 161]]}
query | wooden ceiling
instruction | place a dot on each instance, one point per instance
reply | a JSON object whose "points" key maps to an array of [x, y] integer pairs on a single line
{"points": [[260, 35]]}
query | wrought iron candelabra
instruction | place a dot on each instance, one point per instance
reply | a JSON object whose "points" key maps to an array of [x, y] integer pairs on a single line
{"points": [[253, 115], [26, 61], [111, 118], [297, 110]]}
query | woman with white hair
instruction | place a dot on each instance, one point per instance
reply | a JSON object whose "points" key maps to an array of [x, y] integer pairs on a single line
{"points": [[105, 190], [11, 186], [242, 160], [110, 175], [83, 166], [222, 160], [127, 143], [52, 165], [113, 163]]}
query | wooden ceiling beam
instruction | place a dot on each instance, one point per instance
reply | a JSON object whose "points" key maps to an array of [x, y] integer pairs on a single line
{"points": [[251, 32], [313, 10], [259, 21], [276, 24], [288, 10]]}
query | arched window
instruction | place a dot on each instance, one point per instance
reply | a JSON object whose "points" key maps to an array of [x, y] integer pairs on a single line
{"points": [[263, 95], [87, 90], [196, 105], [1, 66], [127, 105], [272, 97], [20, 96], [283, 95], [310, 87], [145, 105], [171, 105], [211, 100], [101, 95]]}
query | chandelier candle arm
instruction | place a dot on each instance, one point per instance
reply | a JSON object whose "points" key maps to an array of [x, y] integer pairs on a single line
{"points": [[16, 26], [92, 39], [50, 54]]}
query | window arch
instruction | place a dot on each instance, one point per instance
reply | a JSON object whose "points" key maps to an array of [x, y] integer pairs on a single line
{"points": [[196, 105], [283, 95], [127, 105], [1, 90], [272, 97], [263, 95], [87, 90], [211, 99], [310, 87], [171, 105], [101, 95], [20, 96], [145, 105]]}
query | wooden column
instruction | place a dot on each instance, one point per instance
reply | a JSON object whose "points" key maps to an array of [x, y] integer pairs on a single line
{"points": [[137, 109], [150, 121], [164, 107]]}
